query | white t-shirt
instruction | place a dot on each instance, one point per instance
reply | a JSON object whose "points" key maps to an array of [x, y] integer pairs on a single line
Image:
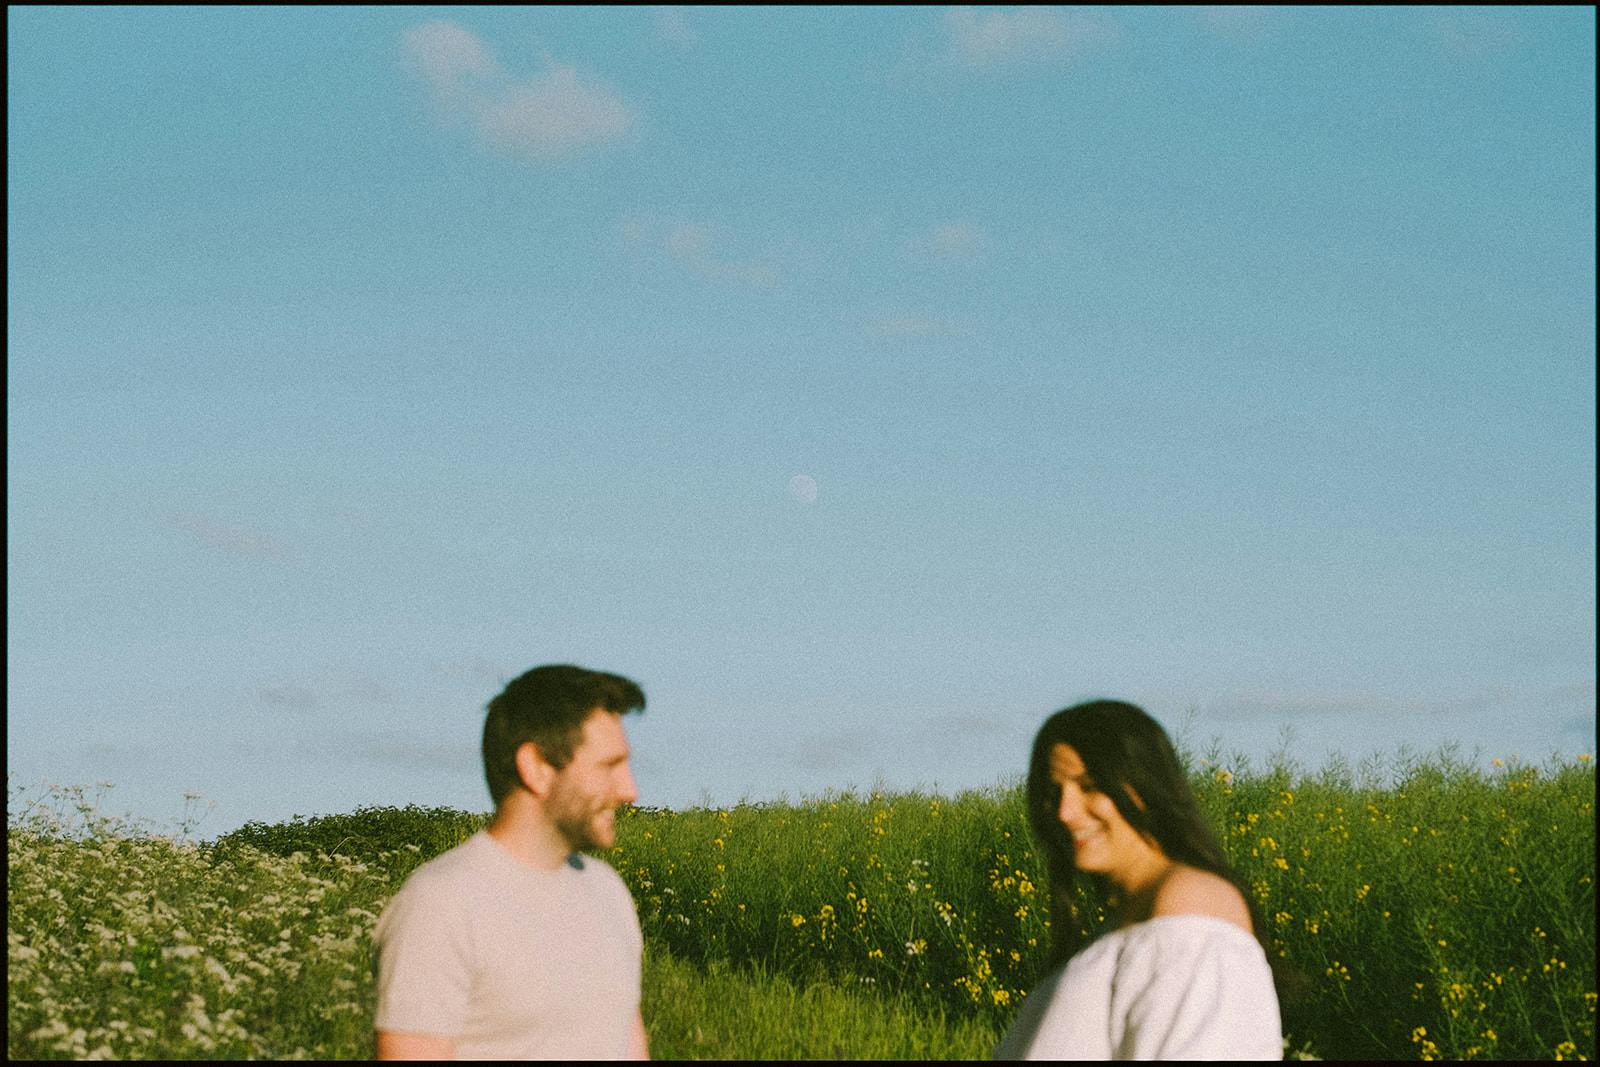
{"points": [[510, 962], [1176, 987]]}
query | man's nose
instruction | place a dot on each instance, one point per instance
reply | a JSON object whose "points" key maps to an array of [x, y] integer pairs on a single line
{"points": [[627, 790]]}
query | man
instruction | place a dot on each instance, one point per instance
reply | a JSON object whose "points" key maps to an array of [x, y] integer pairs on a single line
{"points": [[511, 945]]}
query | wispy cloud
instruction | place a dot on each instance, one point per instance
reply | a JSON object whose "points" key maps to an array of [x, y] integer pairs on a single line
{"points": [[1271, 704], [989, 38], [831, 753], [1476, 33], [328, 685], [951, 242], [689, 242], [700, 248], [912, 326], [288, 696], [969, 725], [674, 27], [1239, 24], [235, 540], [390, 750], [1575, 694], [410, 754], [543, 118], [120, 749], [475, 669]]}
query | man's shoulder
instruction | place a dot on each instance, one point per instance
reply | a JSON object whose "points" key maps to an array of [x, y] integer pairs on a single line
{"points": [[465, 861]]}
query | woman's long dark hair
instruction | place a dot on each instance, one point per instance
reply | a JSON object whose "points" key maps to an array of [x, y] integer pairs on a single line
{"points": [[1120, 746]]}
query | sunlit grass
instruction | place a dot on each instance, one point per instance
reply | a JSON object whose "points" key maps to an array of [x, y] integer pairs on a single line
{"points": [[1430, 897], [722, 1012], [1443, 913]]}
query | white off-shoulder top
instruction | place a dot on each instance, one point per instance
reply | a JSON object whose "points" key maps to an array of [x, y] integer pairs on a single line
{"points": [[1176, 987]]}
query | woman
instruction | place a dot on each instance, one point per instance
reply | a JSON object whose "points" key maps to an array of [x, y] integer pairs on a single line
{"points": [[1179, 973]]}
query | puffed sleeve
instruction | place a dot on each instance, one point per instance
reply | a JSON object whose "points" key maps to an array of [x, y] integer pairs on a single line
{"points": [[1194, 988], [1018, 1040]]}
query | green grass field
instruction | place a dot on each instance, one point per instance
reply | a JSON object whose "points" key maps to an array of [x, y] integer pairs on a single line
{"points": [[1437, 913]]}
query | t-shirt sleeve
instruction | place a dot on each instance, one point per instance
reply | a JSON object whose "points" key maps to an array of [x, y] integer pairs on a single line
{"points": [[626, 909], [1194, 992], [423, 953]]}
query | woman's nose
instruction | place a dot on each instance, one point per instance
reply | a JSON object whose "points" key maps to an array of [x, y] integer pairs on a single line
{"points": [[1071, 803]]}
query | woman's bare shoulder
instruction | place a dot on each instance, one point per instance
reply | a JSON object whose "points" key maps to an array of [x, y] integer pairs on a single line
{"points": [[1191, 891]]}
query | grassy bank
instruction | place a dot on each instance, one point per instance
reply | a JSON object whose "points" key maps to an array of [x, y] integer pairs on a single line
{"points": [[1442, 913]]}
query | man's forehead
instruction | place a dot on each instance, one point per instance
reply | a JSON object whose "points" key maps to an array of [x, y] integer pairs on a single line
{"points": [[602, 730]]}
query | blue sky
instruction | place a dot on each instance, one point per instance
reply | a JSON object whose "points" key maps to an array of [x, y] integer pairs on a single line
{"points": [[867, 384]]}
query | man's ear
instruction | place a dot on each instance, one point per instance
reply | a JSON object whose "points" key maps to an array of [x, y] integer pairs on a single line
{"points": [[536, 774]]}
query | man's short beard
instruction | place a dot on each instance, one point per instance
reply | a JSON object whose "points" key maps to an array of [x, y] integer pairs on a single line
{"points": [[577, 832]]}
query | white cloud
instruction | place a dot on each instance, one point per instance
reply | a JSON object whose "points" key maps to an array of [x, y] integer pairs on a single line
{"points": [[989, 38], [448, 56], [554, 114]]}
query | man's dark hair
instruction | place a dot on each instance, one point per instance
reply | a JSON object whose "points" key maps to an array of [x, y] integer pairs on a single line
{"points": [[548, 706]]}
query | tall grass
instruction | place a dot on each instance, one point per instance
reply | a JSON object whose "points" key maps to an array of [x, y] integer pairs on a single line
{"points": [[718, 1011], [1450, 913], [1441, 912]]}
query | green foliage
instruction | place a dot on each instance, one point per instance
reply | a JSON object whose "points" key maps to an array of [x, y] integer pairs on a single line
{"points": [[1435, 912], [1358, 882], [364, 834]]}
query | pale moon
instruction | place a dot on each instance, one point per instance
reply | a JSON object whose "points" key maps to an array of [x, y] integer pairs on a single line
{"points": [[803, 488]]}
